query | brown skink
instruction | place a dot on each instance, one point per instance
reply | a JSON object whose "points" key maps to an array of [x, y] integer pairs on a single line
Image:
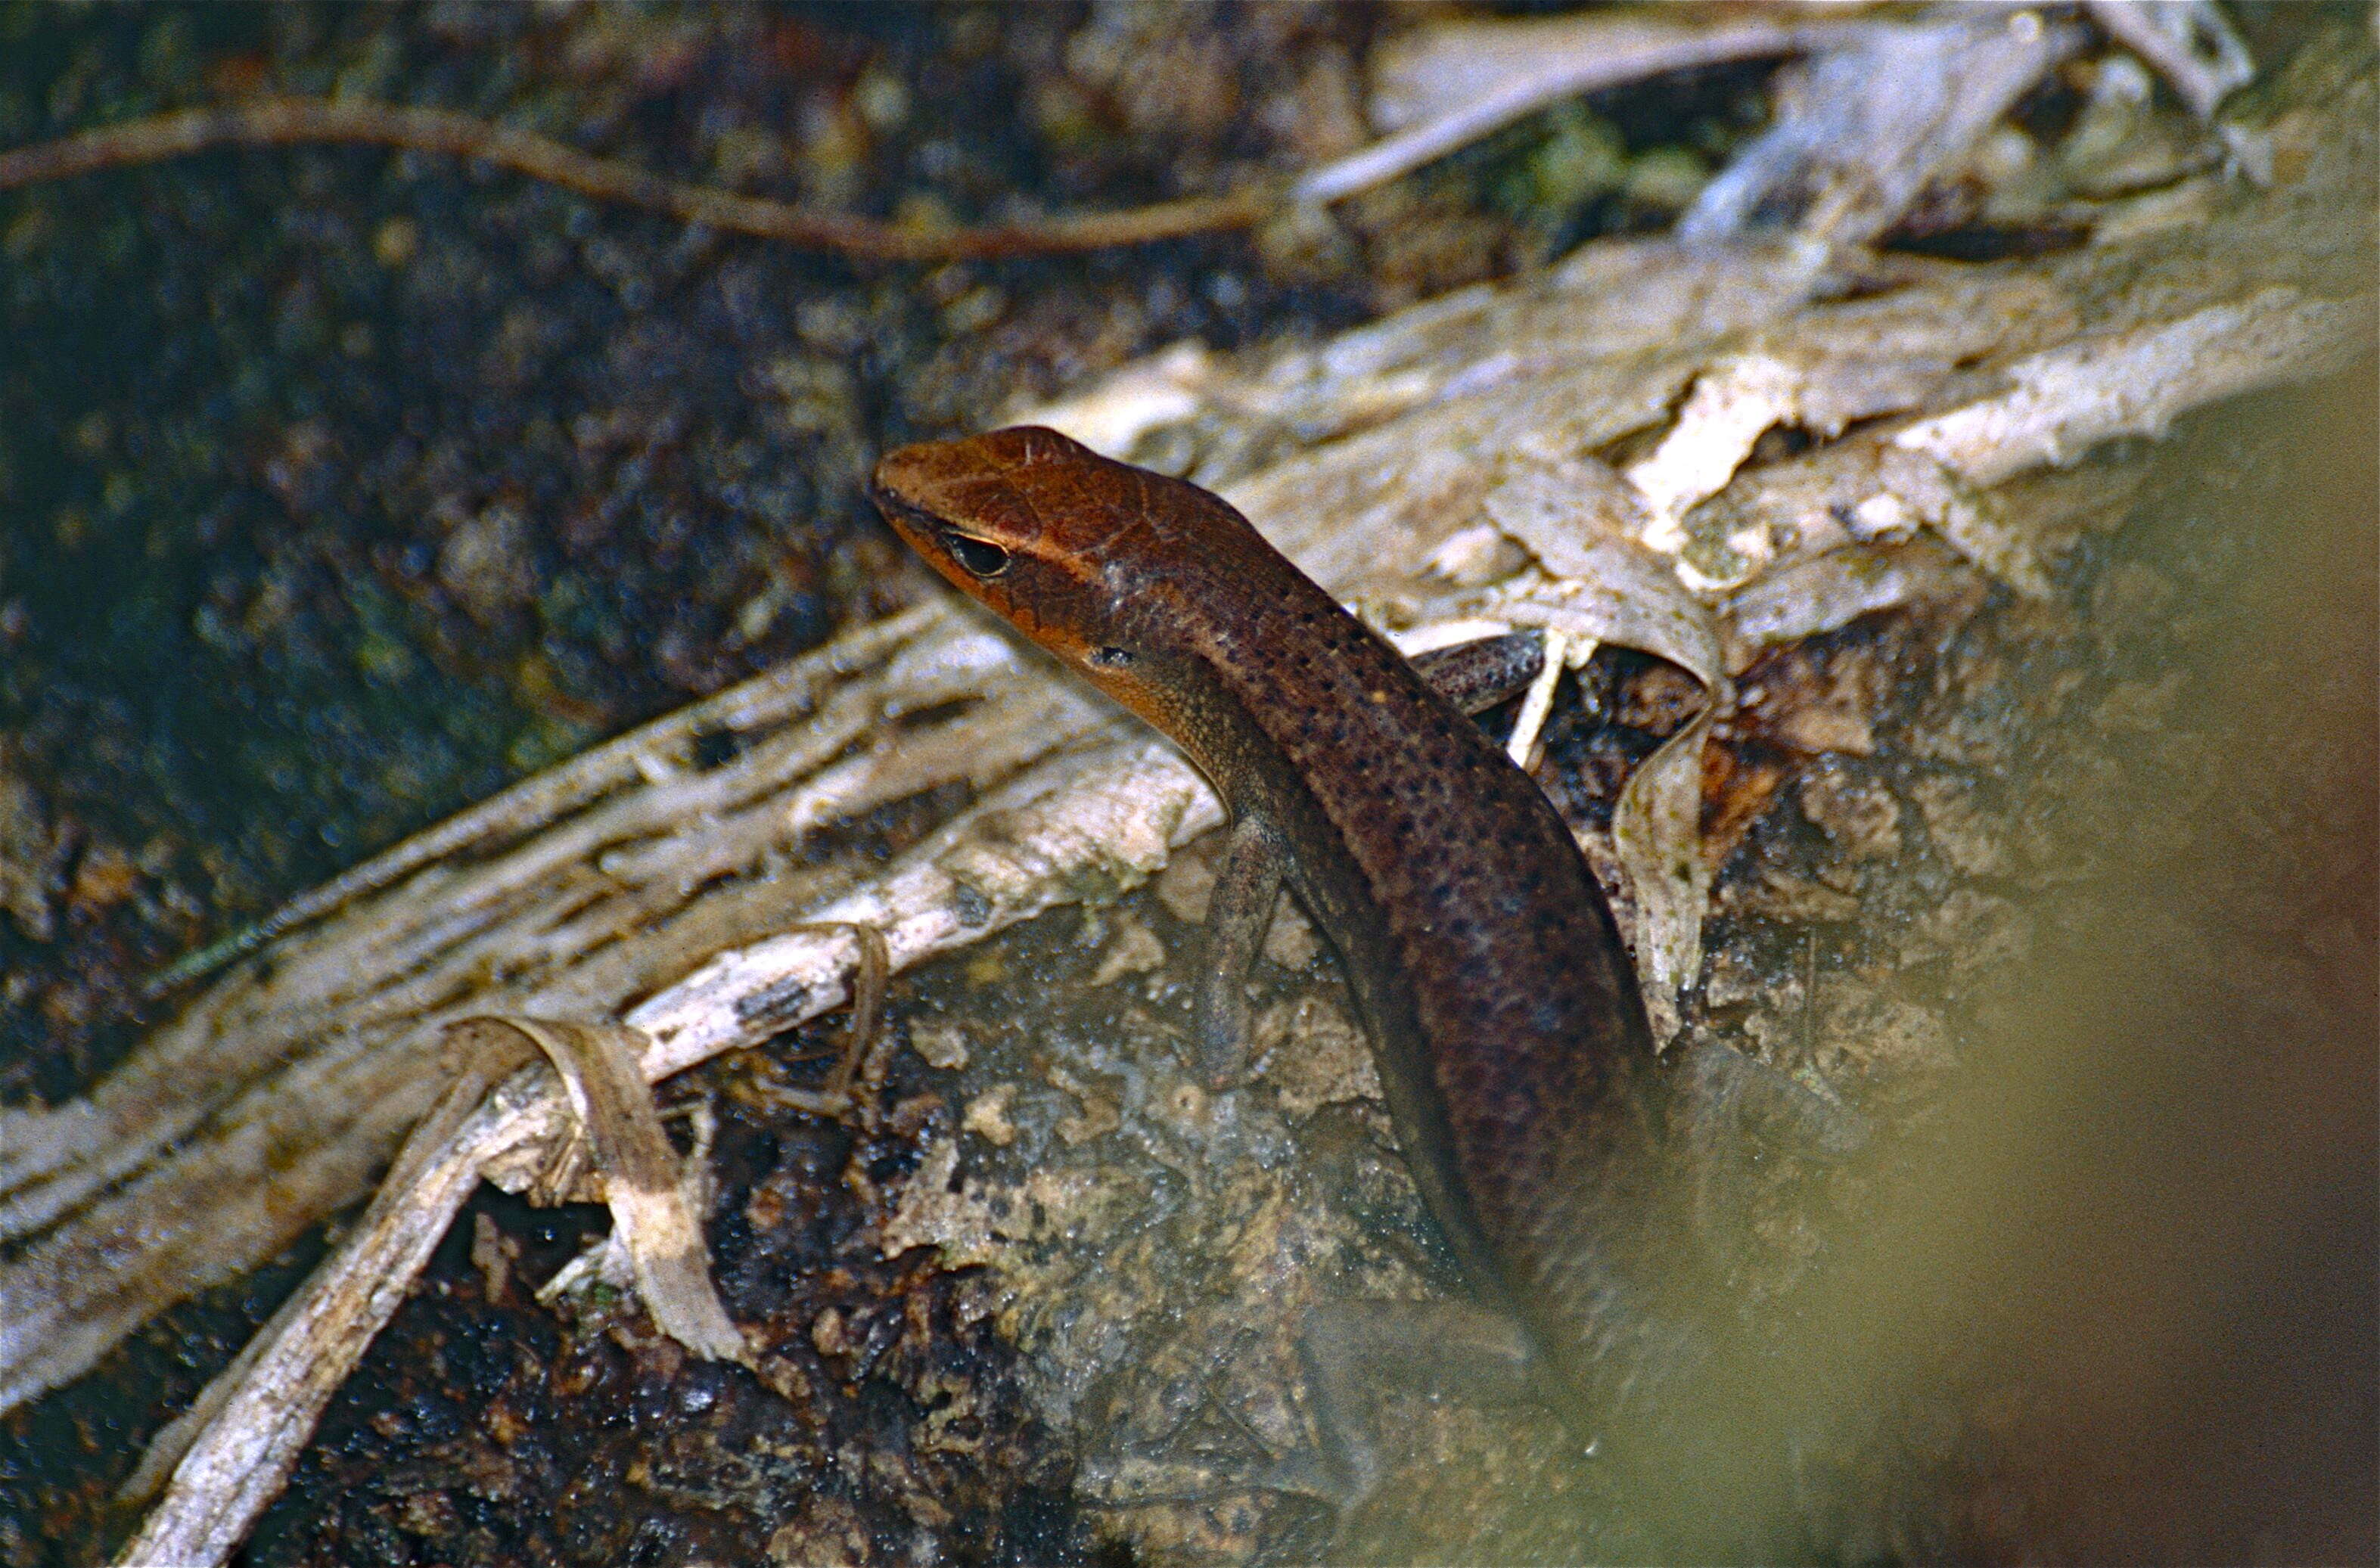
{"points": [[1510, 1035]]}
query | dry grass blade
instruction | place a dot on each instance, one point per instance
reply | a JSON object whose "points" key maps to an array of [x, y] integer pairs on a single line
{"points": [[1446, 87], [652, 1212]]}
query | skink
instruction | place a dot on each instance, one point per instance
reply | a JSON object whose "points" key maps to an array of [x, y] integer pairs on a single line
{"points": [[1510, 1035]]}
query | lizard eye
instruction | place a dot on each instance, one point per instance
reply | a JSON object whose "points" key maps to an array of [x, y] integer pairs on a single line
{"points": [[979, 556]]}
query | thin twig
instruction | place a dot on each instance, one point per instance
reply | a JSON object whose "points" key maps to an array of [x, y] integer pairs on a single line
{"points": [[264, 122]]}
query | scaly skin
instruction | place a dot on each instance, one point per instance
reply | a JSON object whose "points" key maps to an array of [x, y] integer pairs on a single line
{"points": [[1511, 1038]]}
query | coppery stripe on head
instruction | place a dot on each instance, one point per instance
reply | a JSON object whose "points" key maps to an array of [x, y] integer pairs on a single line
{"points": [[1027, 489]]}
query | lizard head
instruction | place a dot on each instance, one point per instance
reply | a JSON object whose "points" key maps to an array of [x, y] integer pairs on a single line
{"points": [[1076, 551]]}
